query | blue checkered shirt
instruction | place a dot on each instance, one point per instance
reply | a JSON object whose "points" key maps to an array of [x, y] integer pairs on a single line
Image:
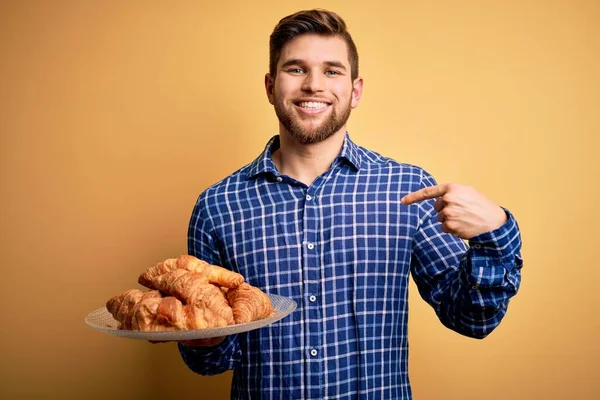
{"points": [[343, 248]]}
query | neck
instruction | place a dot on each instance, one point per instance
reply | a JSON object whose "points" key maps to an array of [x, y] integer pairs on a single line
{"points": [[305, 162]]}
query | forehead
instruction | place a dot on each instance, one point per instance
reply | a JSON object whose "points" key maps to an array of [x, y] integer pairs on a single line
{"points": [[315, 49]]}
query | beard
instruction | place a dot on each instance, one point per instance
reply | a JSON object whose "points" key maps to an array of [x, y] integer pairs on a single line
{"points": [[313, 133]]}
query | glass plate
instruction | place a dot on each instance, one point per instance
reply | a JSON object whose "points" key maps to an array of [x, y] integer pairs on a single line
{"points": [[103, 321]]}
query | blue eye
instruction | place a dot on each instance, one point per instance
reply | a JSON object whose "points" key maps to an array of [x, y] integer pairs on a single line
{"points": [[296, 70], [332, 72]]}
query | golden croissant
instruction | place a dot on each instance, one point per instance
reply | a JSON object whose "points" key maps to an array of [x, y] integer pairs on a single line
{"points": [[150, 312], [191, 288], [249, 303], [210, 273]]}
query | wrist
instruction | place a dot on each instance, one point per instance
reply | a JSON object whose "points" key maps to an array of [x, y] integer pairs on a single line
{"points": [[500, 218]]}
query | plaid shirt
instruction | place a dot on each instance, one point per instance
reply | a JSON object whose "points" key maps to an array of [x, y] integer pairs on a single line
{"points": [[343, 249]]}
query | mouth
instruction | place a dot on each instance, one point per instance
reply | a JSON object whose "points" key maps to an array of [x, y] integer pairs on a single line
{"points": [[312, 107]]}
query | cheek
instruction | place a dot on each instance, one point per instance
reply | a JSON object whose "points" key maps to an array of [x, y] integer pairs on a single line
{"points": [[342, 91], [284, 88]]}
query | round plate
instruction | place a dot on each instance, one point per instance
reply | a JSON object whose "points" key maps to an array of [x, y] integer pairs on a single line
{"points": [[103, 321]]}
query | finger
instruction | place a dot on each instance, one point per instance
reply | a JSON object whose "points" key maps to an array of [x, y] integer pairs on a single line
{"points": [[441, 217], [439, 204], [427, 193], [444, 228]]}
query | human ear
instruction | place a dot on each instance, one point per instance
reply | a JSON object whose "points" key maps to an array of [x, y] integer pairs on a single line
{"points": [[357, 88], [269, 83]]}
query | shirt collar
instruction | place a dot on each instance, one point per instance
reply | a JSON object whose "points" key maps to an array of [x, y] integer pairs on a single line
{"points": [[264, 163], [350, 153]]}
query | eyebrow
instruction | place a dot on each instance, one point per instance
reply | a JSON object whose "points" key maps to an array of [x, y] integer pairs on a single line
{"points": [[297, 61]]}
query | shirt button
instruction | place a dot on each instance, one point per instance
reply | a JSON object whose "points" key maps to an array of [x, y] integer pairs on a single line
{"points": [[477, 246], [308, 197], [313, 298], [310, 246], [474, 287], [279, 179], [313, 352]]}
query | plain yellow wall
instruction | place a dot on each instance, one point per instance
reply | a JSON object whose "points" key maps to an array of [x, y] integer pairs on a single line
{"points": [[114, 116]]}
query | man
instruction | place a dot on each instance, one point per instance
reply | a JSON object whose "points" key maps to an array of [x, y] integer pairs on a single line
{"points": [[338, 228]]}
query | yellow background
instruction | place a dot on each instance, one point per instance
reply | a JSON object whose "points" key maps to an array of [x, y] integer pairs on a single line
{"points": [[114, 116]]}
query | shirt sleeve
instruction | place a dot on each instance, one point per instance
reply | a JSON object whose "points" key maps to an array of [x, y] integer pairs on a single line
{"points": [[469, 286], [203, 245], [212, 360]]}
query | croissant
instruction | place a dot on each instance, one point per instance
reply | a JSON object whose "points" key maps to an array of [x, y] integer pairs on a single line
{"points": [[210, 273], [123, 306], [150, 312], [249, 303], [191, 288]]}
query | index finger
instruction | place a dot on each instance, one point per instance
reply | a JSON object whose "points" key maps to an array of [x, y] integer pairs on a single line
{"points": [[427, 193]]}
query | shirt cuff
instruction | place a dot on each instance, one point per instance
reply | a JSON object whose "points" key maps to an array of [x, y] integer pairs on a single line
{"points": [[502, 243]]}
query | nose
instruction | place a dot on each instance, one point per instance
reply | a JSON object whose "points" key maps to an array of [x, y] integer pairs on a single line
{"points": [[313, 82]]}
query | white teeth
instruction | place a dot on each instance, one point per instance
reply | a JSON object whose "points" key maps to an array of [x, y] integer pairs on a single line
{"points": [[312, 104]]}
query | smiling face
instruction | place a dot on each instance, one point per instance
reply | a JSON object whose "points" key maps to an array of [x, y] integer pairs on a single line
{"points": [[313, 92]]}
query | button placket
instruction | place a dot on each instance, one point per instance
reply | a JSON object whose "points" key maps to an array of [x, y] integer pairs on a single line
{"points": [[312, 271]]}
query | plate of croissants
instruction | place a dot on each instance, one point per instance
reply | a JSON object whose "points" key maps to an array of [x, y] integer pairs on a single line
{"points": [[188, 298]]}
